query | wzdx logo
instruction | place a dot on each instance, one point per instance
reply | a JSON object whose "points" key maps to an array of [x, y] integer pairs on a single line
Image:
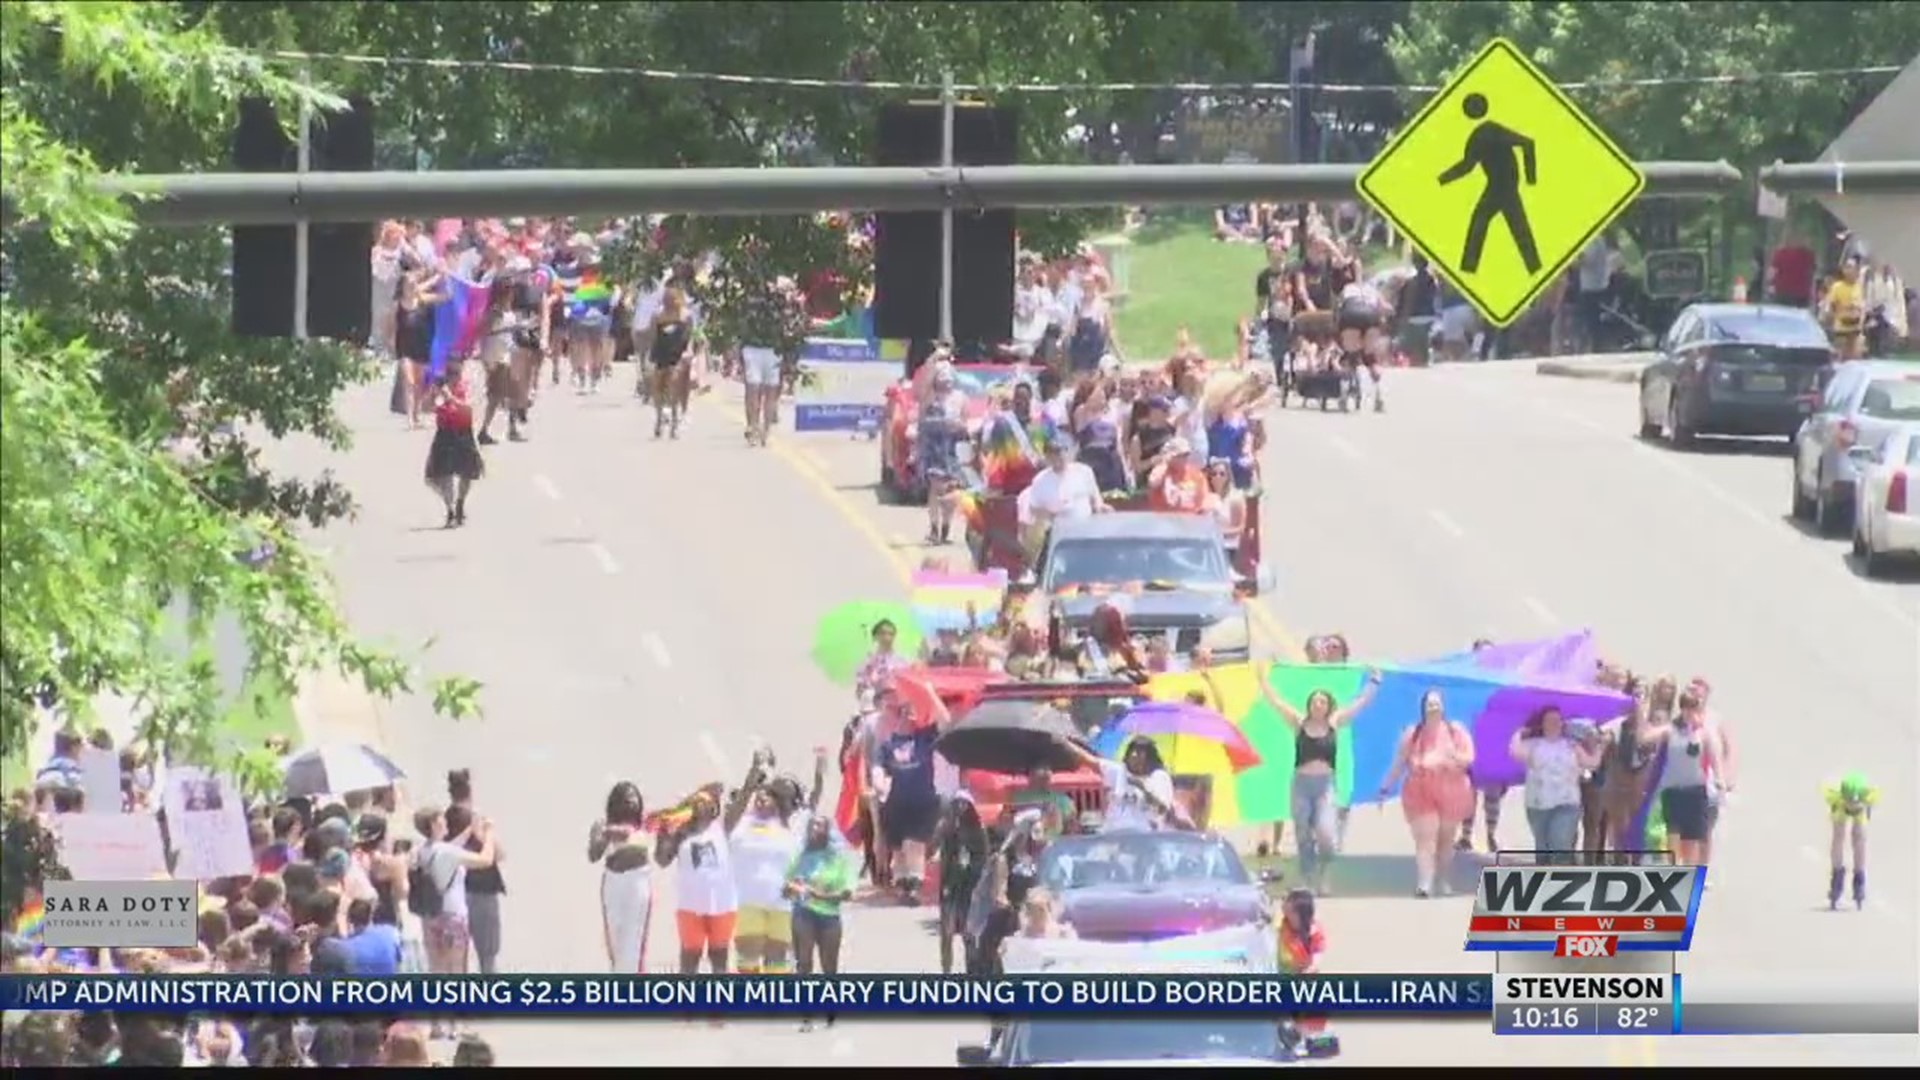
{"points": [[1586, 946]]}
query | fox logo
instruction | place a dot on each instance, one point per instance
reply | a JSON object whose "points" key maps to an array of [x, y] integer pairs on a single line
{"points": [[1586, 946]]}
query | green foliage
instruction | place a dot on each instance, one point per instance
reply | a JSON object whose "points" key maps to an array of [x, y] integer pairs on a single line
{"points": [[127, 483]]}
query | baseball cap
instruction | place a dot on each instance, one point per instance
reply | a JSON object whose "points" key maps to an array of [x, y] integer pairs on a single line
{"points": [[371, 828]]}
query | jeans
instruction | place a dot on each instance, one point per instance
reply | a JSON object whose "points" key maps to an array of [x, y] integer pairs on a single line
{"points": [[1555, 829], [1312, 819], [483, 924]]}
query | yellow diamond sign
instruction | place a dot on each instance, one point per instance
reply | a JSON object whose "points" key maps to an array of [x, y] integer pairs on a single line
{"points": [[1501, 181]]}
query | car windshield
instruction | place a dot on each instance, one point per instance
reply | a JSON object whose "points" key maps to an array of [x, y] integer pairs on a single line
{"points": [[1120, 560], [1068, 1040], [1139, 859], [1892, 399]]}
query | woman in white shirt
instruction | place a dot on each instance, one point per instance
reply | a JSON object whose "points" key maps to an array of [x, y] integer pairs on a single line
{"points": [[1555, 763], [1033, 305], [617, 843], [709, 899], [1139, 788], [1227, 504], [763, 845]]}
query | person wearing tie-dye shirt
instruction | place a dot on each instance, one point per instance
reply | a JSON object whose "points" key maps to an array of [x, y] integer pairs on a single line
{"points": [[882, 662]]}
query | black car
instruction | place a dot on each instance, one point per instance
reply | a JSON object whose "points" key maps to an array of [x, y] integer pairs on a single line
{"points": [[1734, 369]]}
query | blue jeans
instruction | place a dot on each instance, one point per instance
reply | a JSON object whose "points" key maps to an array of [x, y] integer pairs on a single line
{"points": [[1313, 819], [1555, 829]]}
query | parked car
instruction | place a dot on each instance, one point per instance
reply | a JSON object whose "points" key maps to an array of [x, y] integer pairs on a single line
{"points": [[1886, 516], [900, 477], [1866, 401], [1734, 369], [1145, 886]]}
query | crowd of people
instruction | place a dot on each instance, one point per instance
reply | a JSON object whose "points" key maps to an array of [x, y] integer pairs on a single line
{"points": [[335, 889]]}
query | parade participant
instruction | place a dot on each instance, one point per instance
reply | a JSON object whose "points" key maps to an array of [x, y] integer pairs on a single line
{"points": [[1227, 504], [819, 882], [1302, 940], [1491, 797], [1098, 434], [419, 295], [672, 344], [453, 459], [626, 879], [1434, 755], [1139, 788], [760, 370], [1691, 776], [1107, 649], [763, 847], [880, 665], [1040, 919], [590, 322], [1316, 746], [709, 901], [942, 428], [1011, 875], [903, 775], [1175, 483], [1554, 761], [1065, 490], [960, 844], [1056, 807], [1849, 805], [485, 886]]}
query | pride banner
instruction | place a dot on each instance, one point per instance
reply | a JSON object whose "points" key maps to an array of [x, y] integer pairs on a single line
{"points": [[941, 600], [1491, 705], [456, 324]]}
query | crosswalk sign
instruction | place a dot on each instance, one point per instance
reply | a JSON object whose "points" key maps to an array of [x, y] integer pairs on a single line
{"points": [[1501, 181]]}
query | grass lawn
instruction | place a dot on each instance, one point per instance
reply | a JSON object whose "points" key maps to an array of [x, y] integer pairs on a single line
{"points": [[1179, 275]]}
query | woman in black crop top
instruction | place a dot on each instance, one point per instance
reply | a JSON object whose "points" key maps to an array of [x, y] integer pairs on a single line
{"points": [[1316, 743]]}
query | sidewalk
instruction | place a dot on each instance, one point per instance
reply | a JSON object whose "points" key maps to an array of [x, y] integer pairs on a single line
{"points": [[1610, 367]]}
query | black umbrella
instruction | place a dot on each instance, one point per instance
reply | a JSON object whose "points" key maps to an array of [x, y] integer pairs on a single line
{"points": [[1012, 737]]}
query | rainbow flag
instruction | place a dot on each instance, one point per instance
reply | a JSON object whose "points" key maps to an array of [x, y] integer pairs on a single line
{"points": [[456, 324], [592, 295], [31, 920], [967, 505], [940, 600]]}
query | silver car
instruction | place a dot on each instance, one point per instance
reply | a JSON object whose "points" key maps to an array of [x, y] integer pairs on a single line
{"points": [[1866, 401]]}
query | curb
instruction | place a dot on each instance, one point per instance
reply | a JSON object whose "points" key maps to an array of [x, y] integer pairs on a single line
{"points": [[1593, 372]]}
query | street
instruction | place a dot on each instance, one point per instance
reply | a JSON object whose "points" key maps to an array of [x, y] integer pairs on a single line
{"points": [[642, 610]]}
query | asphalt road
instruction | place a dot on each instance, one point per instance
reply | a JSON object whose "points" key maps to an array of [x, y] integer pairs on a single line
{"points": [[643, 610]]}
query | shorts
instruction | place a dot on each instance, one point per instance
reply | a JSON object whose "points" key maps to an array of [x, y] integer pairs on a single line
{"points": [[1688, 812], [499, 382], [704, 933], [773, 924], [592, 332], [761, 366], [1359, 317], [904, 820]]}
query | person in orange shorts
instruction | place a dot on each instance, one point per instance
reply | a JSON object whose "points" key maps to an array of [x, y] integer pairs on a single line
{"points": [[709, 899], [1435, 756]]}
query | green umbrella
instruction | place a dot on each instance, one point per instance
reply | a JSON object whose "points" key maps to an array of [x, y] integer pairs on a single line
{"points": [[843, 637]]}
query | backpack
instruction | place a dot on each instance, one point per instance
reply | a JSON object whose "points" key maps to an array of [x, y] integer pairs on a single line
{"points": [[425, 897]]}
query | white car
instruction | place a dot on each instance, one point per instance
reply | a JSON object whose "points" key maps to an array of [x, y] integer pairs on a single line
{"points": [[1886, 515]]}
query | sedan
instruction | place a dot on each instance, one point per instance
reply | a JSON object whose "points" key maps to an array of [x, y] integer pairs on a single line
{"points": [[1734, 369], [1145, 886], [1864, 404], [1083, 1042], [1886, 517]]}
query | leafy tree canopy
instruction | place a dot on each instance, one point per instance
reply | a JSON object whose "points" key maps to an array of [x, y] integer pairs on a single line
{"points": [[129, 481]]}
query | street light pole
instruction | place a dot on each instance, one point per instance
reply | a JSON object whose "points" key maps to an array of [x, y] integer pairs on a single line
{"points": [[303, 164], [946, 215]]}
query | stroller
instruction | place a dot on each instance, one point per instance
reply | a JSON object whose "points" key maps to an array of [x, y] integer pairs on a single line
{"points": [[1338, 381]]}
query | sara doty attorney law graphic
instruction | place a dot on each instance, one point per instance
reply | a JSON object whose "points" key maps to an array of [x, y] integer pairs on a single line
{"points": [[120, 914], [1501, 181]]}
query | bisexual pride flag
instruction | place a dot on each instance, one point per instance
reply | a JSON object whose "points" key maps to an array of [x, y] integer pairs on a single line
{"points": [[456, 324]]}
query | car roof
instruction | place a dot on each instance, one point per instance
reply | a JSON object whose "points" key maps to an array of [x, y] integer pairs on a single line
{"points": [[1883, 369], [1142, 836], [1130, 525]]}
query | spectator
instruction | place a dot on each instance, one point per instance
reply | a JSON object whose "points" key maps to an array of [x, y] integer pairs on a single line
{"points": [[63, 767], [1885, 298], [1236, 223], [1594, 277], [1843, 312], [1791, 273], [370, 948]]}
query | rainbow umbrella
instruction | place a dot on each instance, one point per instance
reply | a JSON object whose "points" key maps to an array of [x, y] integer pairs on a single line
{"points": [[1181, 731]]}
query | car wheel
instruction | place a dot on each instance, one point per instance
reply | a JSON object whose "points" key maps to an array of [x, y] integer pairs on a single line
{"points": [[1677, 434], [1802, 503], [1872, 563], [1829, 513]]}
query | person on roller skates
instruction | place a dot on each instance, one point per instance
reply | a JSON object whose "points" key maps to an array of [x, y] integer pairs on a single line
{"points": [[1849, 805]]}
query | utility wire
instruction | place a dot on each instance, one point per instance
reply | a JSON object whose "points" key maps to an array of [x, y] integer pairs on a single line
{"points": [[716, 78]]}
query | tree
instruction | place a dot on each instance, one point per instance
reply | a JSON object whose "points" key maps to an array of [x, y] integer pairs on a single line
{"points": [[587, 116], [129, 481]]}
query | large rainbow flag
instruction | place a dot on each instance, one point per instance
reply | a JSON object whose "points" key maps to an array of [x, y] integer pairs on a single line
{"points": [[591, 296], [1492, 705], [1010, 453], [940, 599], [456, 324]]}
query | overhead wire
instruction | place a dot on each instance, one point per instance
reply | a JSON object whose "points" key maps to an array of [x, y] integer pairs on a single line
{"points": [[792, 82]]}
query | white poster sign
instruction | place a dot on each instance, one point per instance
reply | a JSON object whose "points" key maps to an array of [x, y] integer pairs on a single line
{"points": [[208, 826]]}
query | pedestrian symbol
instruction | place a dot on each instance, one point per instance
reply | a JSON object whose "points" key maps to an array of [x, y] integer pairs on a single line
{"points": [[1501, 181]]}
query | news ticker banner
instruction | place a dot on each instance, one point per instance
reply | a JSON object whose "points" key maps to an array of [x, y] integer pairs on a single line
{"points": [[1528, 1004], [848, 383]]}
